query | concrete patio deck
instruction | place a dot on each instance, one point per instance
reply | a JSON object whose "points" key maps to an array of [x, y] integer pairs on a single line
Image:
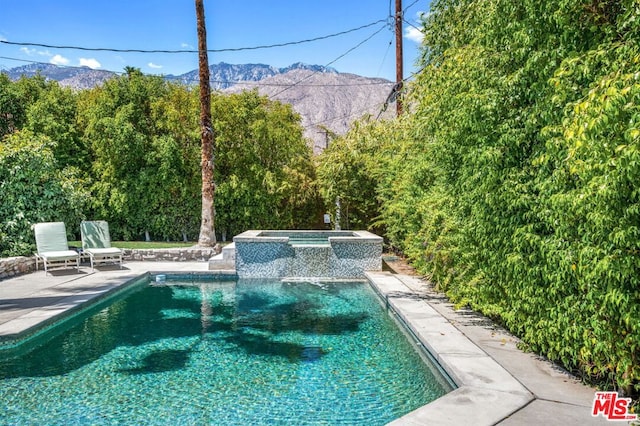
{"points": [[497, 382]]}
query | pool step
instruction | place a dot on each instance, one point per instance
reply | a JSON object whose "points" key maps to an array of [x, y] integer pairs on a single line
{"points": [[225, 260]]}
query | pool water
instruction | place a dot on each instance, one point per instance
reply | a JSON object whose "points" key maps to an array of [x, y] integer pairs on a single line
{"points": [[315, 241], [231, 352]]}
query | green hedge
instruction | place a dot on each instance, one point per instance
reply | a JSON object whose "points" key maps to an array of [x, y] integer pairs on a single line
{"points": [[513, 180], [528, 120]]}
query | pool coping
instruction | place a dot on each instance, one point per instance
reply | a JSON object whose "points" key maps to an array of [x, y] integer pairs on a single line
{"points": [[485, 389]]}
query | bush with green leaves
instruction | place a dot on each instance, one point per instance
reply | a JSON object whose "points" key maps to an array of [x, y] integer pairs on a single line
{"points": [[145, 142], [349, 171], [521, 199], [33, 189]]}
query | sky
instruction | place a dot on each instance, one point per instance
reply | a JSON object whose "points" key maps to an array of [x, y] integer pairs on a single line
{"points": [[234, 29]]}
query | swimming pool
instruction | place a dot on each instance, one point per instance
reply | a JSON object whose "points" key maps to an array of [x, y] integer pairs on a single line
{"points": [[224, 352]]}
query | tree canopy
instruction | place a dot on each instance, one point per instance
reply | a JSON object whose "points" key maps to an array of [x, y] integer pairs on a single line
{"points": [[133, 146]]}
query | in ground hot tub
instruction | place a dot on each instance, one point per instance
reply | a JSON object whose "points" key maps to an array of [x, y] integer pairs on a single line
{"points": [[318, 254]]}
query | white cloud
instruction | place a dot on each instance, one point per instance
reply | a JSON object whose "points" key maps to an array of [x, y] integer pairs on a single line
{"points": [[59, 60], [89, 62], [186, 46], [413, 34], [27, 50], [152, 65], [31, 52]]}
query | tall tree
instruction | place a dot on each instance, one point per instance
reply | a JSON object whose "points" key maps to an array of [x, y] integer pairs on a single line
{"points": [[207, 231], [264, 169], [126, 145]]}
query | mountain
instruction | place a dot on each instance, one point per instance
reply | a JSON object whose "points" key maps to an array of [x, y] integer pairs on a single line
{"points": [[327, 101], [74, 77], [223, 75]]}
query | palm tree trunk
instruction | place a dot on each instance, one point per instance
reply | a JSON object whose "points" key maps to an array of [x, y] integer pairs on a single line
{"points": [[207, 231]]}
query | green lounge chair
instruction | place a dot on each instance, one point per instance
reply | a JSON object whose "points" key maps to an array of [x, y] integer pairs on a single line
{"points": [[52, 246], [96, 242]]}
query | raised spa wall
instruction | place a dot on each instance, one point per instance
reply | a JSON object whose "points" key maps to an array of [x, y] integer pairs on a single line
{"points": [[321, 254]]}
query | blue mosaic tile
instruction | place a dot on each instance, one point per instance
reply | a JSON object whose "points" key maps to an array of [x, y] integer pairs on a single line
{"points": [[270, 254]]}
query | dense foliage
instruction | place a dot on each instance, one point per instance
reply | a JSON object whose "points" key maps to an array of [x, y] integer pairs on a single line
{"points": [[264, 172], [513, 180], [34, 189], [129, 152], [348, 172]]}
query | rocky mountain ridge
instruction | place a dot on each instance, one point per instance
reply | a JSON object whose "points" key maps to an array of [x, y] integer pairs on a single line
{"points": [[222, 75], [74, 77]]}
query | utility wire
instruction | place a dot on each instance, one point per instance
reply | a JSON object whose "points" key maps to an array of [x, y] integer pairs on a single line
{"points": [[236, 49], [335, 60], [407, 8], [395, 91], [384, 58], [411, 24]]}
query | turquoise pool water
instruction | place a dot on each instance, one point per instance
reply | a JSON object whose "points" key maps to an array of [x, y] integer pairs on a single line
{"points": [[245, 352]]}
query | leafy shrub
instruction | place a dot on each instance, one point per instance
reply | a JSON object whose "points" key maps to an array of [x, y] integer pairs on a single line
{"points": [[33, 190]]}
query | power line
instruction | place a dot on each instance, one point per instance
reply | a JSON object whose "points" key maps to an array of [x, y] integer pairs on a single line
{"points": [[408, 7], [261, 84], [236, 49], [392, 97], [384, 58], [335, 60], [411, 24]]}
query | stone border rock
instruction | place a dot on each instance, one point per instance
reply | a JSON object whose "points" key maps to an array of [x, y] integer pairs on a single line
{"points": [[13, 266], [186, 254]]}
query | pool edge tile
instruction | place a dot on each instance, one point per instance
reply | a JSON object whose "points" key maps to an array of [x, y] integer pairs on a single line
{"points": [[484, 387]]}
